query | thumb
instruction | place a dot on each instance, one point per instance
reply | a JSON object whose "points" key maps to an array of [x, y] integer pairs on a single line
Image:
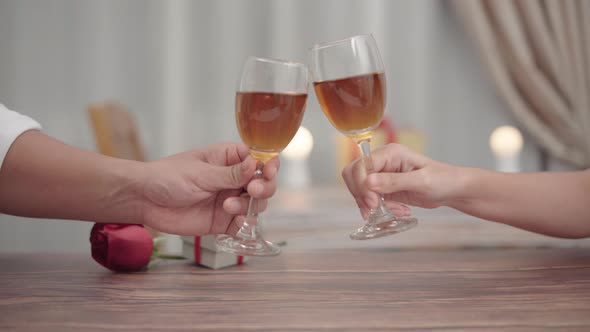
{"points": [[394, 182], [230, 177]]}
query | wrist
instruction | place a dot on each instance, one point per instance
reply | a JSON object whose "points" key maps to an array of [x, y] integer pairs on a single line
{"points": [[124, 196], [466, 178]]}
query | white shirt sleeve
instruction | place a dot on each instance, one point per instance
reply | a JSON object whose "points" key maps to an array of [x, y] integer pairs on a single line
{"points": [[12, 125]]}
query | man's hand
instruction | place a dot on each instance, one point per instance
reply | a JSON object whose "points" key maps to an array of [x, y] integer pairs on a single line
{"points": [[203, 191]]}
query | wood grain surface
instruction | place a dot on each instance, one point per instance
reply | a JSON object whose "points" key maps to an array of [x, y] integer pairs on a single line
{"points": [[371, 289], [451, 273]]}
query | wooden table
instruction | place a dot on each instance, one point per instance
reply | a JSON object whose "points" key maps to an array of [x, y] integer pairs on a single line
{"points": [[424, 280]]}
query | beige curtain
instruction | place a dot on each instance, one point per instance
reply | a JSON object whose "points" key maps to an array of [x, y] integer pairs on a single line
{"points": [[538, 52]]}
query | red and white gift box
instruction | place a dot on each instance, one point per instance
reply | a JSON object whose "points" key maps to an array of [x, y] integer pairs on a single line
{"points": [[203, 251]]}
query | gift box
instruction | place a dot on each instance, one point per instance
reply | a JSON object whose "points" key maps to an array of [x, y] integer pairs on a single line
{"points": [[206, 241], [203, 251]]}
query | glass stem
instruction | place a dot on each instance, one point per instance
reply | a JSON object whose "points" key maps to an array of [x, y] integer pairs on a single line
{"points": [[365, 147], [249, 229]]}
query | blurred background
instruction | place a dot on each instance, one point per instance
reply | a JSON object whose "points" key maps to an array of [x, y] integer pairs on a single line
{"points": [[174, 66]]}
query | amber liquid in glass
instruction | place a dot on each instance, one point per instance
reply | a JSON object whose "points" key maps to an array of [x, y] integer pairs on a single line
{"points": [[268, 121], [354, 105]]}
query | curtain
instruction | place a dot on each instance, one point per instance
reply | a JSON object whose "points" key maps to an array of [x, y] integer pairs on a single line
{"points": [[538, 53]]}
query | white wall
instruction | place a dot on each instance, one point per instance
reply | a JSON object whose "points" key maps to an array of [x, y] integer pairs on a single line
{"points": [[57, 56]]}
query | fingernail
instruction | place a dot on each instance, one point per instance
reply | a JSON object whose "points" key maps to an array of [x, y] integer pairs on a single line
{"points": [[234, 205], [364, 214], [256, 188], [369, 201]]}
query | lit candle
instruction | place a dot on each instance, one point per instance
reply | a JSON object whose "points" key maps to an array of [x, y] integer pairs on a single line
{"points": [[295, 167], [506, 143]]}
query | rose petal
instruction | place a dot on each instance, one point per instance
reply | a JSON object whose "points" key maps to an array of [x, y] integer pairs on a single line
{"points": [[121, 247]]}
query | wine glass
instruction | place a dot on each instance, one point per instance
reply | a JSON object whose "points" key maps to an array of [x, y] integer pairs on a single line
{"points": [[270, 102], [349, 81]]}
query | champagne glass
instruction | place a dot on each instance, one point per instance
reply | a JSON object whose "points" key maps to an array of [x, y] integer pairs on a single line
{"points": [[270, 102], [349, 81]]}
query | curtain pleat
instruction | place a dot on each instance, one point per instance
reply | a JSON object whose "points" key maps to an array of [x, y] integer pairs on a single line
{"points": [[538, 54]]}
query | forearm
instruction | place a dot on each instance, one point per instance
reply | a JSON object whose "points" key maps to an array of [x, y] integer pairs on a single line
{"points": [[555, 204], [42, 177]]}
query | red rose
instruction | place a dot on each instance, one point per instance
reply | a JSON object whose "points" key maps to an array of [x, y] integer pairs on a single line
{"points": [[121, 247]]}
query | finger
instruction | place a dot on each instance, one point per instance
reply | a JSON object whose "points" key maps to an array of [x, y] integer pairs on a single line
{"points": [[223, 154], [229, 177], [371, 199], [395, 182], [361, 204], [266, 186], [239, 205], [235, 225], [359, 176], [398, 209], [271, 168], [396, 158], [261, 188], [235, 205], [365, 213], [242, 152], [401, 197], [353, 175], [351, 184]]}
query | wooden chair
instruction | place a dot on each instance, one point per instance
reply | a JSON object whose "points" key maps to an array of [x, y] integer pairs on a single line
{"points": [[116, 134], [115, 131], [413, 138]]}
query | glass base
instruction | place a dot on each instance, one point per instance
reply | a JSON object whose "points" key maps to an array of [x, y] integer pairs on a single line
{"points": [[383, 225], [240, 247]]}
